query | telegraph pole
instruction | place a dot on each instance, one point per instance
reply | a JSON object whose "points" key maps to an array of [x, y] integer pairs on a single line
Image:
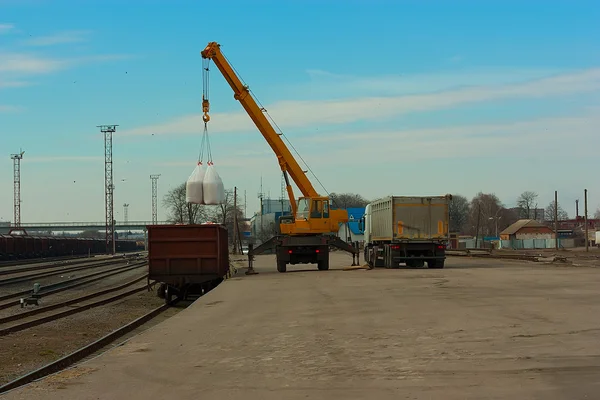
{"points": [[556, 219], [126, 218], [109, 187], [587, 247], [17, 187], [234, 220], [154, 179]]}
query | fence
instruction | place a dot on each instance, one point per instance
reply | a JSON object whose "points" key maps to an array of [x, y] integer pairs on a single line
{"points": [[517, 244], [536, 243]]}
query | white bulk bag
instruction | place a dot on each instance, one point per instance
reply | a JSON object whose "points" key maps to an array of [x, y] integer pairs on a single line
{"points": [[194, 186], [212, 186]]}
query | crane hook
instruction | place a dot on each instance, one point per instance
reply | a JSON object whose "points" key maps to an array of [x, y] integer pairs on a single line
{"points": [[205, 108]]}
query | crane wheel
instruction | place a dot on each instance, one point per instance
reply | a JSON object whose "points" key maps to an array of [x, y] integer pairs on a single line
{"points": [[323, 265], [281, 266]]}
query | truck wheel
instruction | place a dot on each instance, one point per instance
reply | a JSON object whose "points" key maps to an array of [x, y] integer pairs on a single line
{"points": [[281, 266], [437, 264], [323, 265]]}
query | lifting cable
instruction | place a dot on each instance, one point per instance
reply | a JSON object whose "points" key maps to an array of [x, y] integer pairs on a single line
{"points": [[205, 143], [278, 129]]}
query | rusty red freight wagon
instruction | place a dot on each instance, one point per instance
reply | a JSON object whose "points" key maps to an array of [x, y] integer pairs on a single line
{"points": [[187, 259]]}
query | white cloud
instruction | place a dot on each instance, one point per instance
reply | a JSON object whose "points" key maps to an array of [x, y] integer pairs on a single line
{"points": [[8, 108], [410, 83], [5, 28], [58, 38], [539, 138], [24, 64], [296, 114], [50, 159], [27, 64], [523, 139], [13, 84]]}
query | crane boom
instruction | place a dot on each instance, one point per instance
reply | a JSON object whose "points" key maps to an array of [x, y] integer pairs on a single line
{"points": [[311, 214], [287, 162]]}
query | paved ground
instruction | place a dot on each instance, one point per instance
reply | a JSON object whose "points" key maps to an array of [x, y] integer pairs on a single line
{"points": [[479, 329]]}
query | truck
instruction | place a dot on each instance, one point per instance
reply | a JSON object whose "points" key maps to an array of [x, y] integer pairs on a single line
{"points": [[408, 230]]}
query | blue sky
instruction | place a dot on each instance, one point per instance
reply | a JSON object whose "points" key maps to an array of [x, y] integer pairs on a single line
{"points": [[379, 97]]}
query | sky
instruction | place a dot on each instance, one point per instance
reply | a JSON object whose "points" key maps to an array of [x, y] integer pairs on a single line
{"points": [[378, 98]]}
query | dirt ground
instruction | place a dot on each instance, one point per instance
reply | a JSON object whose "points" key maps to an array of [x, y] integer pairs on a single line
{"points": [[32, 348], [478, 329]]}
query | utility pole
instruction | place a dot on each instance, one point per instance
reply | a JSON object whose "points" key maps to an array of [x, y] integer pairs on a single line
{"points": [[109, 187], [154, 179], [477, 228], [587, 247], [235, 226], [260, 196], [556, 220], [126, 218], [17, 187]]}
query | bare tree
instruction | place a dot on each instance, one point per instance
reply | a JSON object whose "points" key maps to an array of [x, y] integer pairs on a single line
{"points": [[458, 211], [487, 209], [181, 212], [562, 214], [507, 218], [526, 202], [225, 214], [348, 200], [91, 234], [597, 214], [267, 232]]}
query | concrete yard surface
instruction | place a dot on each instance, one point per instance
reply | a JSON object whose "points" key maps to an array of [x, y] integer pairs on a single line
{"points": [[478, 329]]}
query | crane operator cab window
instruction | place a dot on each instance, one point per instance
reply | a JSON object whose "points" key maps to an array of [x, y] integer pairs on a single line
{"points": [[303, 208], [319, 209]]}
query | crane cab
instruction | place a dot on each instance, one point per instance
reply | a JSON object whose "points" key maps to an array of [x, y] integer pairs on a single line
{"points": [[313, 215]]}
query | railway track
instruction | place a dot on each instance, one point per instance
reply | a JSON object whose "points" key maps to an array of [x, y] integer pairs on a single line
{"points": [[57, 271], [62, 263], [27, 261], [81, 308], [85, 351], [58, 287]]}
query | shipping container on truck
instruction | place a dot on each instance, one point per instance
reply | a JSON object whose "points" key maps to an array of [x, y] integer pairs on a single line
{"points": [[410, 230]]}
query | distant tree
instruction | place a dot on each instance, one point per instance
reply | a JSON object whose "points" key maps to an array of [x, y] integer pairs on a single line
{"points": [[225, 212], [181, 212], [458, 211], [348, 200], [267, 232], [526, 202], [91, 234], [562, 214], [507, 218], [485, 207], [597, 214]]}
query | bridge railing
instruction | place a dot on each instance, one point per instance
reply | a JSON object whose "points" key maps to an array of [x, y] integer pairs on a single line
{"points": [[79, 224], [89, 224]]}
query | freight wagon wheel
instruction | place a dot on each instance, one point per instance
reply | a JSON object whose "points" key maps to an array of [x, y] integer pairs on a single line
{"points": [[161, 291], [168, 294]]}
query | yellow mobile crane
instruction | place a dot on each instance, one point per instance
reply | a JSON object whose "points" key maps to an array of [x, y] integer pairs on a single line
{"points": [[306, 235]]}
